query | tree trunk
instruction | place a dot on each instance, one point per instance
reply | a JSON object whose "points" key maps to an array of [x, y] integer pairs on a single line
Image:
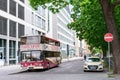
{"points": [[108, 13]]}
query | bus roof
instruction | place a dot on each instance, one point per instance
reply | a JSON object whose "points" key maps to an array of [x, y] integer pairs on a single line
{"points": [[51, 39]]}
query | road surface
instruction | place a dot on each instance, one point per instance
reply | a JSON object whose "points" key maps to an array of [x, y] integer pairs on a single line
{"points": [[70, 70]]}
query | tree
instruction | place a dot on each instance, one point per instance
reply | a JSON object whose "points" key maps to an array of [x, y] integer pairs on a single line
{"points": [[109, 9], [89, 23]]}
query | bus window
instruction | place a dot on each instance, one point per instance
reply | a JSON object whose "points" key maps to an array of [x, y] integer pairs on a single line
{"points": [[31, 56], [50, 41], [33, 39], [30, 39], [35, 56], [23, 40], [48, 54], [56, 54], [42, 56], [26, 56], [57, 43]]}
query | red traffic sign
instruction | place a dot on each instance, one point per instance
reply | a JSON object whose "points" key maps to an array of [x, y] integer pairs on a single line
{"points": [[108, 37]]}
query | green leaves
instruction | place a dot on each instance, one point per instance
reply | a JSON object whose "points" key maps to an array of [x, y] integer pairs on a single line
{"points": [[52, 5], [89, 22], [117, 18]]}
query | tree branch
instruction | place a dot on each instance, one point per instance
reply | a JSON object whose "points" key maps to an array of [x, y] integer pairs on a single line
{"points": [[115, 3]]}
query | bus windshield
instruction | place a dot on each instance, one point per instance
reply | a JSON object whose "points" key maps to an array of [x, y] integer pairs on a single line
{"points": [[31, 56]]}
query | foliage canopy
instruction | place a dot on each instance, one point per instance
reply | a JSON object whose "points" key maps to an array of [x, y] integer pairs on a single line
{"points": [[88, 19]]}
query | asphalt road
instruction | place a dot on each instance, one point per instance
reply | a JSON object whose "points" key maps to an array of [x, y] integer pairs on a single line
{"points": [[70, 70]]}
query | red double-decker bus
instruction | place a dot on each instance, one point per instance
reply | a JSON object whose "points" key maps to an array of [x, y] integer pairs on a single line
{"points": [[39, 52]]}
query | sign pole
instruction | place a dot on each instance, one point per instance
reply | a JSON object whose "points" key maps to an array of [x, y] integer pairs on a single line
{"points": [[109, 55], [108, 38]]}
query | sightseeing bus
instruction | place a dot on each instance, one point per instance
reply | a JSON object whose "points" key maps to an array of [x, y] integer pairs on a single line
{"points": [[39, 52]]}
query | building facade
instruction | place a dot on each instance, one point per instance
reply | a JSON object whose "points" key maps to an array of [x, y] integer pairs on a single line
{"points": [[77, 47], [61, 32], [17, 18]]}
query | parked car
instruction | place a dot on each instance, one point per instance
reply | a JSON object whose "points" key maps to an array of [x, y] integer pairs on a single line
{"points": [[93, 64]]}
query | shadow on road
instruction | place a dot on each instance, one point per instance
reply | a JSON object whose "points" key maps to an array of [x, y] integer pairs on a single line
{"points": [[31, 71], [27, 71]]}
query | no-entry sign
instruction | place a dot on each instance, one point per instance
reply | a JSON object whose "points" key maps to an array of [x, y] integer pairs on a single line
{"points": [[108, 37]]}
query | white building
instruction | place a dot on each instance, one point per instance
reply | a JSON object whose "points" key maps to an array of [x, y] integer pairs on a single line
{"points": [[17, 18], [62, 33]]}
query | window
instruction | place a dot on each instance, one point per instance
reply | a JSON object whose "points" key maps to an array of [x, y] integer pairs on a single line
{"points": [[35, 55], [32, 20], [23, 40], [13, 7], [3, 5], [12, 29], [3, 48], [19, 53], [32, 56], [3, 26], [38, 21], [93, 59], [48, 54], [12, 49], [32, 31], [22, 1], [20, 12], [20, 30], [43, 24], [43, 12], [12, 61], [39, 32]]}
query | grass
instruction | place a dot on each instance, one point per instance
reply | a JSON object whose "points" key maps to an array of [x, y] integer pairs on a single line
{"points": [[111, 76]]}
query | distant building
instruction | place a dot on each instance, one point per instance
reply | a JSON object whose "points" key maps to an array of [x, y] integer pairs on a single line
{"points": [[78, 47], [62, 33], [85, 48]]}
